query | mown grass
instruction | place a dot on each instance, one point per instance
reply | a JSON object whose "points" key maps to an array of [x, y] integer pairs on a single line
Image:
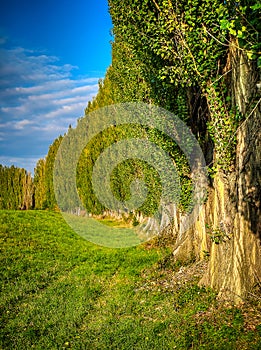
{"points": [[59, 291], [102, 232]]}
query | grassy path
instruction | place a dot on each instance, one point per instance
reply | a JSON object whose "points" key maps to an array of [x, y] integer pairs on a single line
{"points": [[60, 291]]}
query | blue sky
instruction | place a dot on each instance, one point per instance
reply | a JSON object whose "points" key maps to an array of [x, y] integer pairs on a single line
{"points": [[52, 54]]}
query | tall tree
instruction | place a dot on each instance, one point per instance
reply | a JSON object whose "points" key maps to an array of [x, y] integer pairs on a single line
{"points": [[40, 185], [49, 166]]}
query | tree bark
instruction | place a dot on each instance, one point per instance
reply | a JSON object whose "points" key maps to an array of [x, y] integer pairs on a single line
{"points": [[233, 207]]}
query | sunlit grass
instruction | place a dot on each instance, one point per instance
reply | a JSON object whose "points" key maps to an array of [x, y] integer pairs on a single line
{"points": [[106, 233], [60, 291]]}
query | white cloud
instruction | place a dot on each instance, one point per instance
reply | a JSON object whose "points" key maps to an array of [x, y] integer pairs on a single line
{"points": [[20, 125], [39, 98], [28, 163]]}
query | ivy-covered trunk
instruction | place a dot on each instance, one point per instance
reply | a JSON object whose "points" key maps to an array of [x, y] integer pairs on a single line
{"points": [[229, 228], [235, 261]]}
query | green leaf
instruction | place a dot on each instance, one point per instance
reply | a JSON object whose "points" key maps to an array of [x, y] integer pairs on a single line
{"points": [[256, 6]]}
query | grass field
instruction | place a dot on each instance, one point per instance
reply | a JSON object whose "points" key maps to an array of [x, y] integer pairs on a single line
{"points": [[59, 291], [103, 232]]}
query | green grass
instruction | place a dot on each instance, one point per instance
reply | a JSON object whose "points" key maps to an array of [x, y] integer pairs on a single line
{"points": [[60, 291], [103, 232]]}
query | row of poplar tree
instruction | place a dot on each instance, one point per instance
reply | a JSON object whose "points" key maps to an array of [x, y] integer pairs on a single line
{"points": [[170, 54]]}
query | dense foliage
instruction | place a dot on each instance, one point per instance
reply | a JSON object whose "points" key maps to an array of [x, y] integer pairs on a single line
{"points": [[16, 188], [185, 44]]}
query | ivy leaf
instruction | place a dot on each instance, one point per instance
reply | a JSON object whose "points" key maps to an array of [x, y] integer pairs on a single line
{"points": [[224, 24], [256, 6], [240, 34], [251, 55]]}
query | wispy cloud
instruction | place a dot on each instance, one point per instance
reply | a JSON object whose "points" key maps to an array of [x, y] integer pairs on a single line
{"points": [[27, 163], [21, 124], [39, 98]]}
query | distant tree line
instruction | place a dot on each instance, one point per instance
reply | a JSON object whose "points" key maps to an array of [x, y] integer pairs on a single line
{"points": [[19, 190]]}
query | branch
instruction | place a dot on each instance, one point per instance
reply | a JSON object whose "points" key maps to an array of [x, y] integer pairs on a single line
{"points": [[221, 76], [212, 36], [231, 44], [157, 6], [194, 61]]}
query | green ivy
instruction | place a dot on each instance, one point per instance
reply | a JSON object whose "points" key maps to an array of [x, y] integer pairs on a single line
{"points": [[222, 126], [241, 19]]}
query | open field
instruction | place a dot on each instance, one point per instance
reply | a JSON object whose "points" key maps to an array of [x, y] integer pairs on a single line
{"points": [[60, 291]]}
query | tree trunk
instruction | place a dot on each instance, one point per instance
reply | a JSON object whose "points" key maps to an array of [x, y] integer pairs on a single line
{"points": [[235, 265], [232, 212]]}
